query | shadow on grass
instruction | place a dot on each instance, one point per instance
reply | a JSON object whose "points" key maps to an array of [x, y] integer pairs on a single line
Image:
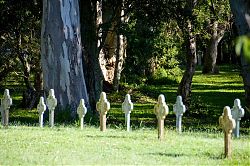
{"points": [[174, 155]]}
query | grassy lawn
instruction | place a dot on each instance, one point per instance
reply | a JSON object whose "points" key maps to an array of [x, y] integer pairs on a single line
{"points": [[201, 142], [22, 145]]}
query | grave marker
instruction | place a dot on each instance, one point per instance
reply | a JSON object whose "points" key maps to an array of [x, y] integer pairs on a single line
{"points": [[179, 109], [6, 102], [127, 107], [161, 110], [103, 107], [227, 123], [81, 111], [41, 107], [52, 103], [237, 114]]}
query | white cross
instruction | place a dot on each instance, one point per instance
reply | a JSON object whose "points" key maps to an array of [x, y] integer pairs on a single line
{"points": [[41, 107], [161, 110], [6, 102], [127, 107], [237, 113], [179, 108], [103, 107], [81, 111], [52, 103]]}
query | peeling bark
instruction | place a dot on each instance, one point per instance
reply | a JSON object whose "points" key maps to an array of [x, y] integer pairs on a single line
{"points": [[61, 52]]}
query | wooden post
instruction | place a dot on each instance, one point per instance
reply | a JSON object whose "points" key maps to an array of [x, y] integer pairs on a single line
{"points": [[52, 103], [127, 107], [237, 113], [6, 102], [81, 111], [161, 110], [179, 109], [227, 123], [103, 107], [41, 107]]}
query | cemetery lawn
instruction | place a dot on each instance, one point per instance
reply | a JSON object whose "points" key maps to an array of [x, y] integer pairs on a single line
{"points": [[27, 145], [201, 142]]}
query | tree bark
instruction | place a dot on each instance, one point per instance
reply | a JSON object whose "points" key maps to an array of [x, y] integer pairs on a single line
{"points": [[61, 53], [212, 50], [184, 88], [90, 31], [120, 53], [241, 12]]}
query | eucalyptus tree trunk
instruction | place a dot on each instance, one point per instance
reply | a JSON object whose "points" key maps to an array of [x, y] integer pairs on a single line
{"points": [[184, 88], [212, 50], [241, 12], [61, 52], [121, 51], [90, 26]]}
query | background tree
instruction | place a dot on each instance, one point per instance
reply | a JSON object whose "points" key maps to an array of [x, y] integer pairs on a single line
{"points": [[61, 53], [241, 12], [213, 19], [19, 48]]}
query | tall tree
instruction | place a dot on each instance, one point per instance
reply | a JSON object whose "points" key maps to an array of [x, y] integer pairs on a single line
{"points": [[241, 12], [61, 52], [184, 88], [215, 22], [20, 52]]}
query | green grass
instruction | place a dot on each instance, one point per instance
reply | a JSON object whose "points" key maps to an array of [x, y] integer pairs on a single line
{"points": [[22, 145], [201, 142], [210, 94]]}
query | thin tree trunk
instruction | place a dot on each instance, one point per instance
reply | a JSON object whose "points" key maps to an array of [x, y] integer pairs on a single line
{"points": [[61, 53], [120, 53], [184, 88], [241, 12]]}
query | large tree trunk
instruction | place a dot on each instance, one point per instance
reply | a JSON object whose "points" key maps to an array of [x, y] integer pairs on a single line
{"points": [[61, 52], [90, 12], [241, 12], [212, 50], [184, 88]]}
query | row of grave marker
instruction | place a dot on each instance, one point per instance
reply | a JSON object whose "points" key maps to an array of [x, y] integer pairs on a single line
{"points": [[229, 121], [161, 110]]}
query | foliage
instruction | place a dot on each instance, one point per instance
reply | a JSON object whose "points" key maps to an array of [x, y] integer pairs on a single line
{"points": [[19, 36], [243, 44], [68, 145], [152, 44]]}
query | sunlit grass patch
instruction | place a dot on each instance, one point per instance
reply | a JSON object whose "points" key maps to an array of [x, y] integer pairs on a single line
{"points": [[22, 145]]}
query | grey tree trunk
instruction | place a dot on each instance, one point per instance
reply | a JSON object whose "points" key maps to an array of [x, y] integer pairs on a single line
{"points": [[212, 50], [61, 52], [241, 12]]}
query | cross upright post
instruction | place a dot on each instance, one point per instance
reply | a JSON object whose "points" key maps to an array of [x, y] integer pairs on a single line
{"points": [[81, 111], [127, 107], [161, 110], [103, 107], [237, 113], [179, 109], [6, 102], [41, 107], [227, 123], [52, 103]]}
